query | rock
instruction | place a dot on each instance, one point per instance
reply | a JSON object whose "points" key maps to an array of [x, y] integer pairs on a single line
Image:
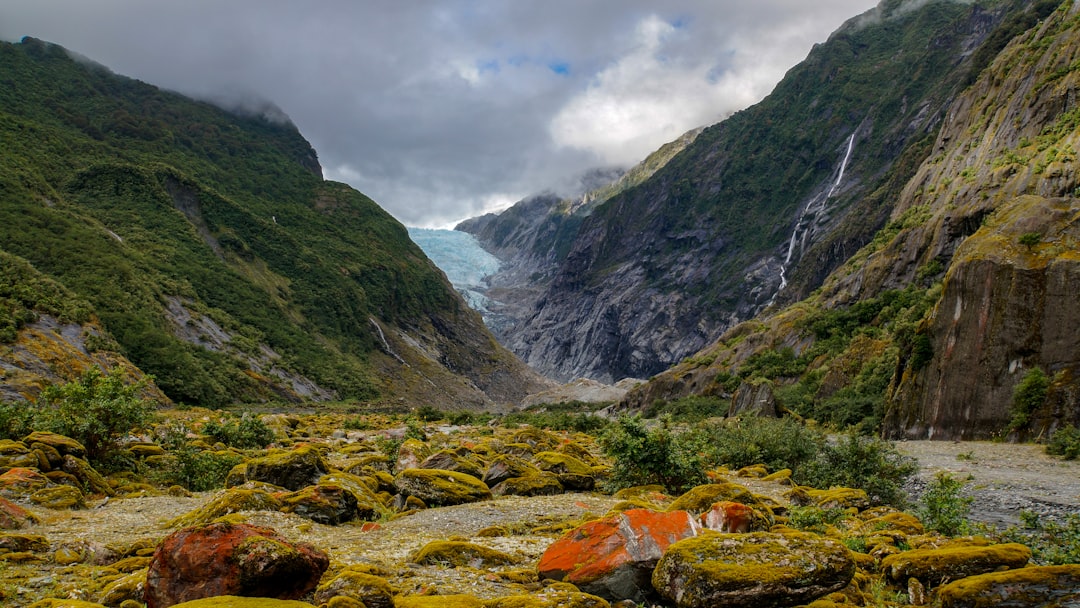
{"points": [[325, 504], [87, 476], [539, 484], [754, 398], [59, 497], [230, 601], [53, 458], [66, 446], [232, 500], [22, 480], [702, 498], [292, 470], [230, 559], [127, 587], [460, 553], [505, 466], [144, 450], [614, 557], [439, 601], [15, 454], [53, 602], [727, 516], [353, 582], [16, 543], [840, 498], [14, 517], [1035, 586], [755, 569], [550, 598], [449, 461], [934, 566], [573, 474], [441, 488], [411, 453], [367, 503]]}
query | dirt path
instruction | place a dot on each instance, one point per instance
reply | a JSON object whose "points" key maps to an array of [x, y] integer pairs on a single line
{"points": [[1003, 478]]}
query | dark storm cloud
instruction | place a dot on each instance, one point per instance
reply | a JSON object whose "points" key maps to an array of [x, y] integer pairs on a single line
{"points": [[442, 109]]}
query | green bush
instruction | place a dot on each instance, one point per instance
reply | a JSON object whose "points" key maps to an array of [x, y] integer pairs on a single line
{"points": [[1065, 442], [777, 443], [1029, 395], [95, 410], [1052, 543], [644, 454], [199, 470], [944, 508], [689, 409], [247, 432], [866, 463]]}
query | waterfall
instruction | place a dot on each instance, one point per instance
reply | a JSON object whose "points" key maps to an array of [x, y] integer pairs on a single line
{"points": [[386, 345], [803, 226]]}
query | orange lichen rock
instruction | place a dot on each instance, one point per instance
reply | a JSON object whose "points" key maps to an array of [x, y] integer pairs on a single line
{"points": [[613, 557]]}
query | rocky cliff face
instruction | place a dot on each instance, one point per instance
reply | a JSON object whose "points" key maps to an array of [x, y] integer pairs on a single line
{"points": [[761, 207], [969, 287]]}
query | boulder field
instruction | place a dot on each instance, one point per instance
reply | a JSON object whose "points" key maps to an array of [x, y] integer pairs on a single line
{"points": [[484, 517]]}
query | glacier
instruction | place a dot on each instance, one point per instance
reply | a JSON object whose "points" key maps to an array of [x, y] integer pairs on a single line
{"points": [[460, 256]]}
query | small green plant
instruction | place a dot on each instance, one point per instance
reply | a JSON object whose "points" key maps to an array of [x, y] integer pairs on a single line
{"points": [[944, 508], [1065, 442], [868, 463], [1053, 542], [644, 454], [968, 456], [1030, 240], [247, 432], [815, 519], [1028, 396], [199, 470], [95, 410], [429, 413]]}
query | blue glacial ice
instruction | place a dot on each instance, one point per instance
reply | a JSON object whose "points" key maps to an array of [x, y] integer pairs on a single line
{"points": [[460, 256]]}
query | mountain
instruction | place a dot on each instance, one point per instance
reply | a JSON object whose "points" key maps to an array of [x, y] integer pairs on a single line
{"points": [[204, 247], [533, 237], [958, 320], [761, 207]]}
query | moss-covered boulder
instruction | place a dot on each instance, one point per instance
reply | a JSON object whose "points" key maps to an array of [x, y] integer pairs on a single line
{"points": [[232, 500], [232, 601], [14, 517], [728, 516], [86, 474], [292, 469], [438, 601], [840, 498], [751, 570], [614, 557], [54, 602], [22, 481], [460, 553], [327, 504], [368, 504], [131, 587], [16, 454], [231, 559], [59, 497], [934, 566], [17, 543], [448, 460], [537, 484], [360, 464], [699, 499], [441, 488], [507, 466], [356, 583], [61, 443], [410, 454], [550, 598], [1021, 588]]}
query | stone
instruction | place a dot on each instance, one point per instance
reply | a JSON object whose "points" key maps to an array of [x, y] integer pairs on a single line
{"points": [[355, 583], [702, 498], [231, 559], [1034, 586], [550, 598], [52, 457], [460, 553], [52, 602], [539, 484], [14, 517], [934, 566], [439, 601], [326, 504], [441, 488], [128, 587], [410, 454], [232, 500], [727, 516], [840, 498], [293, 470], [59, 497], [22, 480], [61, 443], [505, 466], [449, 461], [766, 569], [231, 601], [614, 557], [87, 476], [23, 542]]}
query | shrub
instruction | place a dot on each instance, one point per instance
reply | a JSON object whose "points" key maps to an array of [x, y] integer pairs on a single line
{"points": [[1029, 394], [1052, 542], [429, 413], [247, 432], [95, 410], [689, 409], [658, 455], [199, 470], [777, 443], [1065, 442], [944, 508], [866, 463]]}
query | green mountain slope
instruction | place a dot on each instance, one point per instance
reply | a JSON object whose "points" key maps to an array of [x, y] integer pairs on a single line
{"points": [[965, 299], [215, 254]]}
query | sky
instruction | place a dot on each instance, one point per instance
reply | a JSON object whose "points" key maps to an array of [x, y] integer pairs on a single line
{"points": [[442, 110]]}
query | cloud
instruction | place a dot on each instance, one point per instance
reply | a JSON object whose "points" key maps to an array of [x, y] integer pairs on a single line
{"points": [[442, 109]]}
